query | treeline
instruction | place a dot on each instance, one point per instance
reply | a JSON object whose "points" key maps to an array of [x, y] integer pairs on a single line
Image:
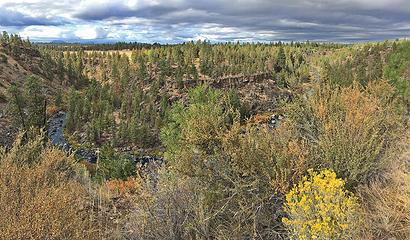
{"points": [[138, 46], [15, 42], [97, 46], [14, 39], [187, 61]]}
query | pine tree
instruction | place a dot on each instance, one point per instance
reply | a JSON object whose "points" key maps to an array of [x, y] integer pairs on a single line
{"points": [[60, 67], [280, 60], [178, 78], [79, 67], [16, 106], [5, 37], [193, 72], [142, 69], [36, 102], [59, 99], [87, 109]]}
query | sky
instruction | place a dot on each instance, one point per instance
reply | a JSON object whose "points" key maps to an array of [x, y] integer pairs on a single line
{"points": [[176, 21]]}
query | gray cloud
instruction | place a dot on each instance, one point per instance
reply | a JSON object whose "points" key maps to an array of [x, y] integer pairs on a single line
{"points": [[15, 18], [218, 20], [112, 11]]}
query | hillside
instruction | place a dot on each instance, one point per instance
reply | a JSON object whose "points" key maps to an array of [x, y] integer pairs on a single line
{"points": [[17, 62]]}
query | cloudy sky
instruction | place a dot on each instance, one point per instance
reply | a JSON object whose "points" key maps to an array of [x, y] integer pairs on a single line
{"points": [[173, 21]]}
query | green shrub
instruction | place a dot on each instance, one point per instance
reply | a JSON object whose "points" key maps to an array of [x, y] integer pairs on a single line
{"points": [[398, 62], [348, 130], [111, 166], [3, 58], [165, 211]]}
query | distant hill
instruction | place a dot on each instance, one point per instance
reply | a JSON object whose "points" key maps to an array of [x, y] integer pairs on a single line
{"points": [[57, 41]]}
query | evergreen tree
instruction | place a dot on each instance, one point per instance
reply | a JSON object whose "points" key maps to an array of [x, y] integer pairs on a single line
{"points": [[60, 67], [16, 106], [280, 60], [36, 102], [5, 37], [59, 99], [142, 69]]}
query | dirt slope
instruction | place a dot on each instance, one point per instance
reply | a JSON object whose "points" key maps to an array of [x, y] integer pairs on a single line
{"points": [[15, 66]]}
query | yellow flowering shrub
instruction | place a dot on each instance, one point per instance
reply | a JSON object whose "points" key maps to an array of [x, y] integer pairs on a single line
{"points": [[320, 208]]}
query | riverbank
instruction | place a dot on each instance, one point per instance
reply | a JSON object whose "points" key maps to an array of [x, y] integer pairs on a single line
{"points": [[57, 138]]}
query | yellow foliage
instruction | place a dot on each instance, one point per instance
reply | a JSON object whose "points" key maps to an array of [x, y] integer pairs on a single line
{"points": [[40, 197], [125, 188], [121, 186], [320, 208]]}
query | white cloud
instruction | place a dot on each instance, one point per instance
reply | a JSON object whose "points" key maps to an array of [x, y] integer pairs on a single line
{"points": [[45, 32], [90, 32]]}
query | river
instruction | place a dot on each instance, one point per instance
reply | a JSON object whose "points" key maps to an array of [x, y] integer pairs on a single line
{"points": [[57, 138]]}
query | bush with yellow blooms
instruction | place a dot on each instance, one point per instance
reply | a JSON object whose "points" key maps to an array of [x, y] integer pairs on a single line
{"points": [[320, 208]]}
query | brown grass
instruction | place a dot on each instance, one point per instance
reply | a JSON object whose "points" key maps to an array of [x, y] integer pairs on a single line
{"points": [[40, 197], [52, 109], [386, 200]]}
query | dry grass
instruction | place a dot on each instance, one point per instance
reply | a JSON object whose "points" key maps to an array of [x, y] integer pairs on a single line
{"points": [[153, 207], [349, 130], [40, 197], [52, 109], [386, 200], [127, 52]]}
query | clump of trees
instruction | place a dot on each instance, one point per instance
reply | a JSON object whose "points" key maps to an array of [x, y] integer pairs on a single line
{"points": [[27, 104], [139, 118], [397, 63]]}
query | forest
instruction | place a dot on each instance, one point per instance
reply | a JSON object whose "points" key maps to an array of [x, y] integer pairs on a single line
{"points": [[201, 140]]}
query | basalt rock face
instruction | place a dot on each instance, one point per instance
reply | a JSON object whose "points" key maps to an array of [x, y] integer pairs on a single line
{"points": [[231, 81], [27, 57], [259, 90]]}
